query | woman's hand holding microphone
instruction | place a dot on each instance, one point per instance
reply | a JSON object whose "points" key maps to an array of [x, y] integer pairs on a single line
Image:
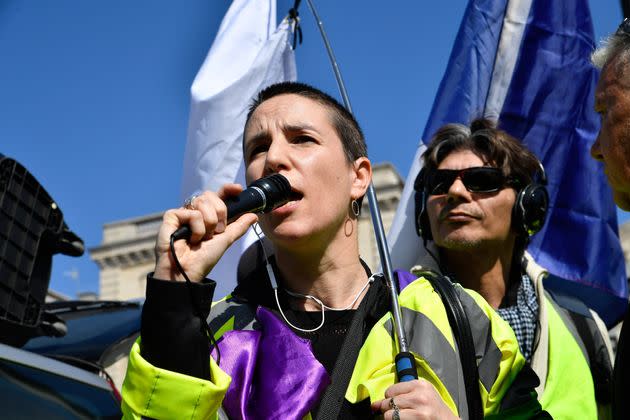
{"points": [[206, 215]]}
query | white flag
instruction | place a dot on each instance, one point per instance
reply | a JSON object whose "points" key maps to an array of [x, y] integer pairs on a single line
{"points": [[247, 55]]}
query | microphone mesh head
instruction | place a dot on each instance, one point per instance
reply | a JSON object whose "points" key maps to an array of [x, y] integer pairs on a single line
{"points": [[277, 190]]}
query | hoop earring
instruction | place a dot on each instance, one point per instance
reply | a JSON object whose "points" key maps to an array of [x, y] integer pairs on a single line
{"points": [[356, 209]]}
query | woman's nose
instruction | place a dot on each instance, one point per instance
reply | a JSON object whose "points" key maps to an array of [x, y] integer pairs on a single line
{"points": [[277, 157]]}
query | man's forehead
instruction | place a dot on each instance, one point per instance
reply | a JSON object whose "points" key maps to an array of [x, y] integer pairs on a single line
{"points": [[606, 78], [605, 89], [465, 155], [615, 73]]}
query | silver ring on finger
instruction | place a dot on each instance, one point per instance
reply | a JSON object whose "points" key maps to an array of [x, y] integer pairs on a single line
{"points": [[396, 415], [189, 203], [393, 406]]}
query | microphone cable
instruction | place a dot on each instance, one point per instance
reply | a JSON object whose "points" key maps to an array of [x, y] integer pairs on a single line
{"points": [[263, 195], [205, 328]]}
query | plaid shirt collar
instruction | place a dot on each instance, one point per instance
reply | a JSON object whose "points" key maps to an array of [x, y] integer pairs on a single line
{"points": [[523, 316]]}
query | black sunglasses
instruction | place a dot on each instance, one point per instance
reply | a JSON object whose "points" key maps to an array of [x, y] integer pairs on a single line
{"points": [[482, 179]]}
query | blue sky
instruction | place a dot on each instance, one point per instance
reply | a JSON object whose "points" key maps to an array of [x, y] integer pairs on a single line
{"points": [[94, 96]]}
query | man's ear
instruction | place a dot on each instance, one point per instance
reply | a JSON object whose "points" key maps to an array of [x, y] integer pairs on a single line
{"points": [[362, 169]]}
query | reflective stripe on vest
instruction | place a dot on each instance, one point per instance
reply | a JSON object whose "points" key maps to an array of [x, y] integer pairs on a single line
{"points": [[229, 314], [486, 350], [428, 342], [430, 338]]}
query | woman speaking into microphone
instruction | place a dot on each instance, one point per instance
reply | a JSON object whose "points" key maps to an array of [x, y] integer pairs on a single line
{"points": [[307, 331]]}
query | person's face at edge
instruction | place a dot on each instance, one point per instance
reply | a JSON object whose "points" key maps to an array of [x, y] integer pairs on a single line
{"points": [[294, 136], [463, 220], [612, 146]]}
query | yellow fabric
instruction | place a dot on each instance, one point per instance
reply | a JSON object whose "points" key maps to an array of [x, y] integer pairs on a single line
{"points": [[569, 392], [152, 392], [375, 371], [156, 393], [223, 299], [228, 326]]}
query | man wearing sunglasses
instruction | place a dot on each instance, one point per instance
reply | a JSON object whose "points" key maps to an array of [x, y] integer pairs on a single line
{"points": [[480, 196], [612, 148]]}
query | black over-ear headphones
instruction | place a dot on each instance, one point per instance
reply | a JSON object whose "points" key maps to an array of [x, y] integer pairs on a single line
{"points": [[528, 214], [423, 229], [532, 203]]}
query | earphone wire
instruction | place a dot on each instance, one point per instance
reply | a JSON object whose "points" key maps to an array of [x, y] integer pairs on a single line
{"points": [[299, 295], [274, 285]]}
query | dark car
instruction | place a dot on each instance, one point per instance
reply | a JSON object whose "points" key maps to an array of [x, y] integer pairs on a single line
{"points": [[77, 375], [99, 335], [37, 387]]}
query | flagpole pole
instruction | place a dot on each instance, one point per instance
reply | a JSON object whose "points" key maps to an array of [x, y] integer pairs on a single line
{"points": [[405, 363]]}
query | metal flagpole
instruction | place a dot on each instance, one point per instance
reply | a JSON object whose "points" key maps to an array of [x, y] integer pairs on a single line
{"points": [[405, 363]]}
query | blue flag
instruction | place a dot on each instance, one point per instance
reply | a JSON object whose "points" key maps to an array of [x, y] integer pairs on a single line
{"points": [[526, 62]]}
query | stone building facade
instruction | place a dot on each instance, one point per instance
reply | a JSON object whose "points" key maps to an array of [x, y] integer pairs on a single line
{"points": [[125, 255]]}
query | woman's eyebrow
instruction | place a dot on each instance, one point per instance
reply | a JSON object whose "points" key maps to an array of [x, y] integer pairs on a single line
{"points": [[299, 127], [264, 135], [256, 138]]}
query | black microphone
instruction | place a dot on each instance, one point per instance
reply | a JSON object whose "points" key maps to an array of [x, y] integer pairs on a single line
{"points": [[261, 196]]}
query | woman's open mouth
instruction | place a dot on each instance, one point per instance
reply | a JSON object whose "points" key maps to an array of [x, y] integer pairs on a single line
{"points": [[294, 197]]}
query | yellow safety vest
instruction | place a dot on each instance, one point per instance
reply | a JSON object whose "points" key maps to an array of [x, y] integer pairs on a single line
{"points": [[149, 391]]}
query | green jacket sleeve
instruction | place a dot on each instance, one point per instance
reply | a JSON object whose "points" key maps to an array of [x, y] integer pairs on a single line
{"points": [[149, 391]]}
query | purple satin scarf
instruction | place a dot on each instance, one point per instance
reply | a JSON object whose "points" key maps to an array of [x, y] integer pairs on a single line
{"points": [[404, 279], [274, 373]]}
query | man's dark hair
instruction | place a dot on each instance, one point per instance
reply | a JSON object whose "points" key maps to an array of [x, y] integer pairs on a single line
{"points": [[493, 146], [343, 121]]}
